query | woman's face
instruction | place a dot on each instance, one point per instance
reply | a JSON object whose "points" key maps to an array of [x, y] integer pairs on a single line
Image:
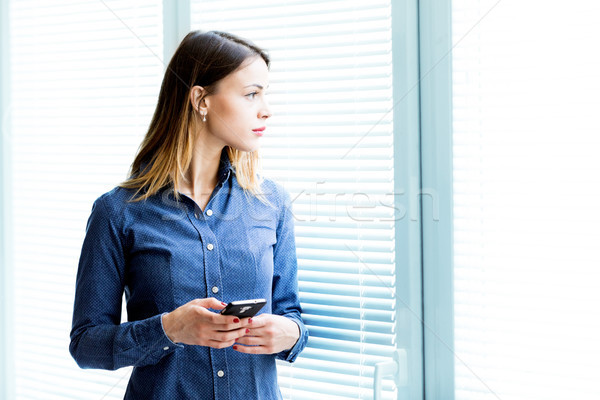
{"points": [[237, 111]]}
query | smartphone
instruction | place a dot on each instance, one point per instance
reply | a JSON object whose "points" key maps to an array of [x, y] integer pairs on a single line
{"points": [[244, 308]]}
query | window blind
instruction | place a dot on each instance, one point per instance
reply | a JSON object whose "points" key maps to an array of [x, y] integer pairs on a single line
{"points": [[83, 92], [330, 142], [526, 192]]}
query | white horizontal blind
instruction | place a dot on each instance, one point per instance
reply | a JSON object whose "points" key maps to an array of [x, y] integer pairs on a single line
{"points": [[526, 189], [330, 143], [83, 91]]}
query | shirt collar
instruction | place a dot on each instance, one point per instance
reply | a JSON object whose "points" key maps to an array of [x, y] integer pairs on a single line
{"points": [[225, 167]]}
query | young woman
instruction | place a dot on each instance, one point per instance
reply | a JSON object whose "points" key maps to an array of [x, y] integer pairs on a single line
{"points": [[191, 229]]}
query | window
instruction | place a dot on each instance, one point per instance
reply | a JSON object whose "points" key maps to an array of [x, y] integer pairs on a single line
{"points": [[331, 83], [82, 92], [526, 199], [472, 124]]}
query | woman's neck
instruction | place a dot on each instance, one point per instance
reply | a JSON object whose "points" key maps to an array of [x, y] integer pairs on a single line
{"points": [[201, 176]]}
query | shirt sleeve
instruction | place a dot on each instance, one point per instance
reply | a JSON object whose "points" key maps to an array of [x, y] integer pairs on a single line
{"points": [[286, 301], [98, 338]]}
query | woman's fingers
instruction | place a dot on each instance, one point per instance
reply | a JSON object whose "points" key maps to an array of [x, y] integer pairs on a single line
{"points": [[251, 341], [220, 345], [195, 324], [209, 302], [271, 334], [225, 336]]}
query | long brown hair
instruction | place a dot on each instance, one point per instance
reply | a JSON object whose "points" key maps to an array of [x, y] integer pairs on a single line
{"points": [[165, 154]]}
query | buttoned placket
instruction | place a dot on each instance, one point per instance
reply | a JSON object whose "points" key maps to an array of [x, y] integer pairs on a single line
{"points": [[212, 273]]}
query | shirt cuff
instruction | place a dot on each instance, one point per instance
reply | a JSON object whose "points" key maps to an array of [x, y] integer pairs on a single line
{"points": [[291, 354], [172, 343], [159, 344], [151, 343]]}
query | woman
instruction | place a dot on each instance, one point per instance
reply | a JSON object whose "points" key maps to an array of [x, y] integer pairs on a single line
{"points": [[191, 229]]}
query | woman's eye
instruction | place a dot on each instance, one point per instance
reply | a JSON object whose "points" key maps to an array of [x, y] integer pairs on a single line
{"points": [[251, 95]]}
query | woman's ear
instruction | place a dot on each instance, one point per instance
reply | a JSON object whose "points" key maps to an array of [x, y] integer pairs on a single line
{"points": [[197, 99]]}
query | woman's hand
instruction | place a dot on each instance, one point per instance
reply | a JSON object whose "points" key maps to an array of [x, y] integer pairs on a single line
{"points": [[194, 324], [268, 334]]}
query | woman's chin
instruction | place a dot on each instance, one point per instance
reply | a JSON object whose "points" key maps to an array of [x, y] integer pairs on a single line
{"points": [[245, 148]]}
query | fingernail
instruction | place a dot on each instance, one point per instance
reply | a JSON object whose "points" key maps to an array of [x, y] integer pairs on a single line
{"points": [[249, 320], [223, 304], [235, 320], [247, 330], [235, 347]]}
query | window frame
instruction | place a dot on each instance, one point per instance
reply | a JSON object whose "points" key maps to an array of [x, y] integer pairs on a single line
{"points": [[435, 38], [6, 291], [407, 183], [176, 24]]}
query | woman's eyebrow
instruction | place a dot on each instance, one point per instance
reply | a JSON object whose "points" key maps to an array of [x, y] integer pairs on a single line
{"points": [[257, 85]]}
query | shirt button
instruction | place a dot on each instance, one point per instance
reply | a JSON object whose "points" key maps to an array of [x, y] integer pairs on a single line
{"points": [[215, 290], [220, 374], [209, 212], [166, 348], [210, 246]]}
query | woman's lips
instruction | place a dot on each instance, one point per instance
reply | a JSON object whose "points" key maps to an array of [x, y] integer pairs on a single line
{"points": [[259, 131]]}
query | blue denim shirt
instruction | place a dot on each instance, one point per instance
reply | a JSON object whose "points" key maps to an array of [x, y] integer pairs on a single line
{"points": [[162, 254]]}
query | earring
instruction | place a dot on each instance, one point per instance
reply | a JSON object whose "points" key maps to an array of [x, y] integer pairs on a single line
{"points": [[203, 117]]}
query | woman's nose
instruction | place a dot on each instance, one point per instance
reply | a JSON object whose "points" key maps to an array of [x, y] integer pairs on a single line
{"points": [[265, 112]]}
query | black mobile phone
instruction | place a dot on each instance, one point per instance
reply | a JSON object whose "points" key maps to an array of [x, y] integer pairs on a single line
{"points": [[244, 308]]}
